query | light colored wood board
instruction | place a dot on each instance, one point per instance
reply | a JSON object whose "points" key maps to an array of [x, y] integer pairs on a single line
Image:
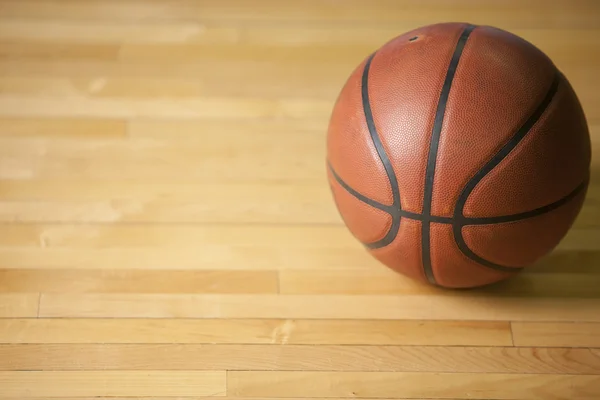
{"points": [[573, 334], [137, 281], [313, 85], [258, 331], [81, 129], [24, 384], [230, 236], [198, 107], [105, 131], [377, 281], [40, 51], [511, 13], [206, 257], [78, 200], [19, 305], [521, 360], [179, 236], [164, 202], [553, 40], [220, 158], [386, 281], [181, 398], [106, 32], [102, 96], [316, 81], [133, 88], [84, 191], [149, 155], [210, 247], [334, 71], [86, 201], [281, 51], [409, 384], [428, 307], [572, 44]]}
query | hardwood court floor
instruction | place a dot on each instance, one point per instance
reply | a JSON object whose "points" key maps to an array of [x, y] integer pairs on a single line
{"points": [[167, 231]]}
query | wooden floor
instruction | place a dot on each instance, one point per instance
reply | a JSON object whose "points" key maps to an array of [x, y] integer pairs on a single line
{"points": [[167, 231]]}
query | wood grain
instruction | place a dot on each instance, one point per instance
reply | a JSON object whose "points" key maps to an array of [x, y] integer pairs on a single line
{"points": [[167, 230], [184, 357], [180, 398], [19, 305], [137, 281], [576, 14], [432, 307], [407, 384], [573, 334], [25, 384], [383, 281], [258, 331], [224, 246]]}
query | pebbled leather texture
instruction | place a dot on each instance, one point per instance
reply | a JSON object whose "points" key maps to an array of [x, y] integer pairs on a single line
{"points": [[513, 145]]}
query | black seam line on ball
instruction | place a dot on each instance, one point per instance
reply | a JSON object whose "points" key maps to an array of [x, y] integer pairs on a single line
{"points": [[524, 215], [462, 221], [488, 167], [390, 209], [433, 150], [373, 203], [389, 170]]}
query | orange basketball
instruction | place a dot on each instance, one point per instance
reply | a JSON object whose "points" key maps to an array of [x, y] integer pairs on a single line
{"points": [[458, 154]]}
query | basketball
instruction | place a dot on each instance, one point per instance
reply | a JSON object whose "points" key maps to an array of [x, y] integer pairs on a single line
{"points": [[458, 154]]}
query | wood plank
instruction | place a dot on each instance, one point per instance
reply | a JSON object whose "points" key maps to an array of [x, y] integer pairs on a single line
{"points": [[41, 201], [275, 78], [523, 360], [218, 158], [137, 281], [180, 398], [150, 154], [283, 189], [199, 107], [250, 90], [412, 384], [176, 247], [184, 88], [98, 32], [211, 257], [283, 53], [573, 334], [36, 50], [82, 129], [25, 384], [576, 14], [19, 305], [176, 235], [422, 307], [231, 246], [377, 281], [258, 331], [103, 131], [384, 281], [553, 40], [146, 88], [22, 82], [181, 236], [571, 43], [167, 202]]}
